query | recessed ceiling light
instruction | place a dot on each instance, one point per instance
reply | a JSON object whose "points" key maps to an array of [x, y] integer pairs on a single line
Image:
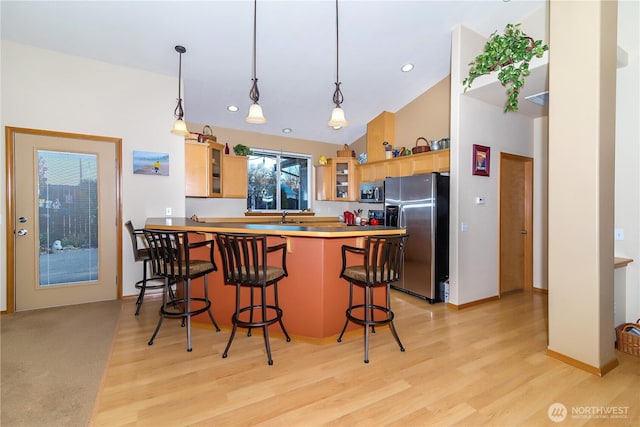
{"points": [[232, 108], [406, 68], [286, 130]]}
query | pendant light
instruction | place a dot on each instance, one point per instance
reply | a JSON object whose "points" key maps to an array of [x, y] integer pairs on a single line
{"points": [[179, 127], [255, 110], [337, 119]]}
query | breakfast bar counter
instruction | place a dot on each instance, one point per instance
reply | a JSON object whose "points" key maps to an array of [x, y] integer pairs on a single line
{"points": [[313, 297]]}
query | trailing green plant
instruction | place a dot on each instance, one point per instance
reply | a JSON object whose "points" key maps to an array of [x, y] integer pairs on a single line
{"points": [[509, 54], [242, 150]]}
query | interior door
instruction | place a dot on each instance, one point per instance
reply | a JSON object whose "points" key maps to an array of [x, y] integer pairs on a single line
{"points": [[516, 220], [65, 219]]}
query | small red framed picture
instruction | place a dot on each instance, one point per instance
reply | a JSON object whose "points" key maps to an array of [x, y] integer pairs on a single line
{"points": [[481, 160]]}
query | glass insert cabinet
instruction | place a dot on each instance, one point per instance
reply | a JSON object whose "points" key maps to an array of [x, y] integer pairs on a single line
{"points": [[337, 180]]}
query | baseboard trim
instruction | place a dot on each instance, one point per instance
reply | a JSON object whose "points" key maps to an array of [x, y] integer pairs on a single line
{"points": [[472, 303], [541, 291], [601, 371]]}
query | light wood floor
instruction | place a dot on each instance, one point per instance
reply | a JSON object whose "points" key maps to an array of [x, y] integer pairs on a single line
{"points": [[485, 365]]}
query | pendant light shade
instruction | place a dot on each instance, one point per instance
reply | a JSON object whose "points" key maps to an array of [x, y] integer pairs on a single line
{"points": [[337, 119], [255, 110], [179, 127], [255, 115]]}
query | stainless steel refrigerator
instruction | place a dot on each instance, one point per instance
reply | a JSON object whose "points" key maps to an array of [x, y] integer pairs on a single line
{"points": [[420, 204]]}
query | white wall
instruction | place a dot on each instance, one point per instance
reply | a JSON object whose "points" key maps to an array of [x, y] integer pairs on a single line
{"points": [[474, 253], [627, 175], [47, 90], [540, 193]]}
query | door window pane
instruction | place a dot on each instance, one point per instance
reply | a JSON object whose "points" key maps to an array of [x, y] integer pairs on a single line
{"points": [[68, 217]]}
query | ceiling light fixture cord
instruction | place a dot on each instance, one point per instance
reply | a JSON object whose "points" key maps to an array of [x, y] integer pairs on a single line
{"points": [[255, 110], [337, 120], [254, 93], [337, 95]]}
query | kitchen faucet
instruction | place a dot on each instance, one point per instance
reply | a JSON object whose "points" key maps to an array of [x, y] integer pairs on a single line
{"points": [[284, 217]]}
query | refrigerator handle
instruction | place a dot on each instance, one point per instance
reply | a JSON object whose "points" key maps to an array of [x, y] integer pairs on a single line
{"points": [[401, 223]]}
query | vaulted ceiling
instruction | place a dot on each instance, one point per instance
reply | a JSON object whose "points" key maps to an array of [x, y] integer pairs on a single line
{"points": [[296, 51]]}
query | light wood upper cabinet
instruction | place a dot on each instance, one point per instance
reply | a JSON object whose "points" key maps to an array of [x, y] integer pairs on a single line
{"points": [[196, 169], [432, 161], [234, 184], [210, 173], [370, 172], [323, 182], [379, 130], [337, 180]]}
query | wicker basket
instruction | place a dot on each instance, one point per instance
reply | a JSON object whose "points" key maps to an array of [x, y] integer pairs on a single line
{"points": [[346, 152], [421, 148], [626, 341]]}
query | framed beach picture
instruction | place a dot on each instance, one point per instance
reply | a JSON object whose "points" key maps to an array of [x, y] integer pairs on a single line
{"points": [[150, 163], [481, 160]]}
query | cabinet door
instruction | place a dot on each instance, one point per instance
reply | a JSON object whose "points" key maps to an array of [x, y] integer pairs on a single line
{"points": [[234, 184], [400, 166], [323, 182], [378, 171], [344, 178], [216, 168], [196, 169], [433, 161], [379, 130]]}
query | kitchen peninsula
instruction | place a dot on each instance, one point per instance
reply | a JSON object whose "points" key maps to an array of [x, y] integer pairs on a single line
{"points": [[313, 297]]}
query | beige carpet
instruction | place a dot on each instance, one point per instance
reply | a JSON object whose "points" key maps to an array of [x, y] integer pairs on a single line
{"points": [[53, 361]]}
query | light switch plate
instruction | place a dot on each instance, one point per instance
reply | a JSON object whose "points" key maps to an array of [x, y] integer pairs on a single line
{"points": [[619, 233], [167, 211]]}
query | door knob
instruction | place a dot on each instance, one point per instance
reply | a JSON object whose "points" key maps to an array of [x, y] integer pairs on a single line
{"points": [[523, 231], [22, 232]]}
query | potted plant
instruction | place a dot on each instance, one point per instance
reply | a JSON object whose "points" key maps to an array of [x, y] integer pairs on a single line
{"points": [[241, 150], [509, 54]]}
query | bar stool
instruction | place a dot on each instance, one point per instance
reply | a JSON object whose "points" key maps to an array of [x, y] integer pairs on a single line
{"points": [[171, 259], [244, 261], [382, 260], [141, 253]]}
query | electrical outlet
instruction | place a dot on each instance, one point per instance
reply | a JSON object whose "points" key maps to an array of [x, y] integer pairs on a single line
{"points": [[167, 211], [619, 233]]}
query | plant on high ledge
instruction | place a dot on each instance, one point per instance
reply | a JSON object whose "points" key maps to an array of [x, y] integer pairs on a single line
{"points": [[242, 150], [509, 54]]}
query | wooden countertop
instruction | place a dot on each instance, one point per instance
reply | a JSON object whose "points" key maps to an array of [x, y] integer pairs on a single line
{"points": [[301, 230]]}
